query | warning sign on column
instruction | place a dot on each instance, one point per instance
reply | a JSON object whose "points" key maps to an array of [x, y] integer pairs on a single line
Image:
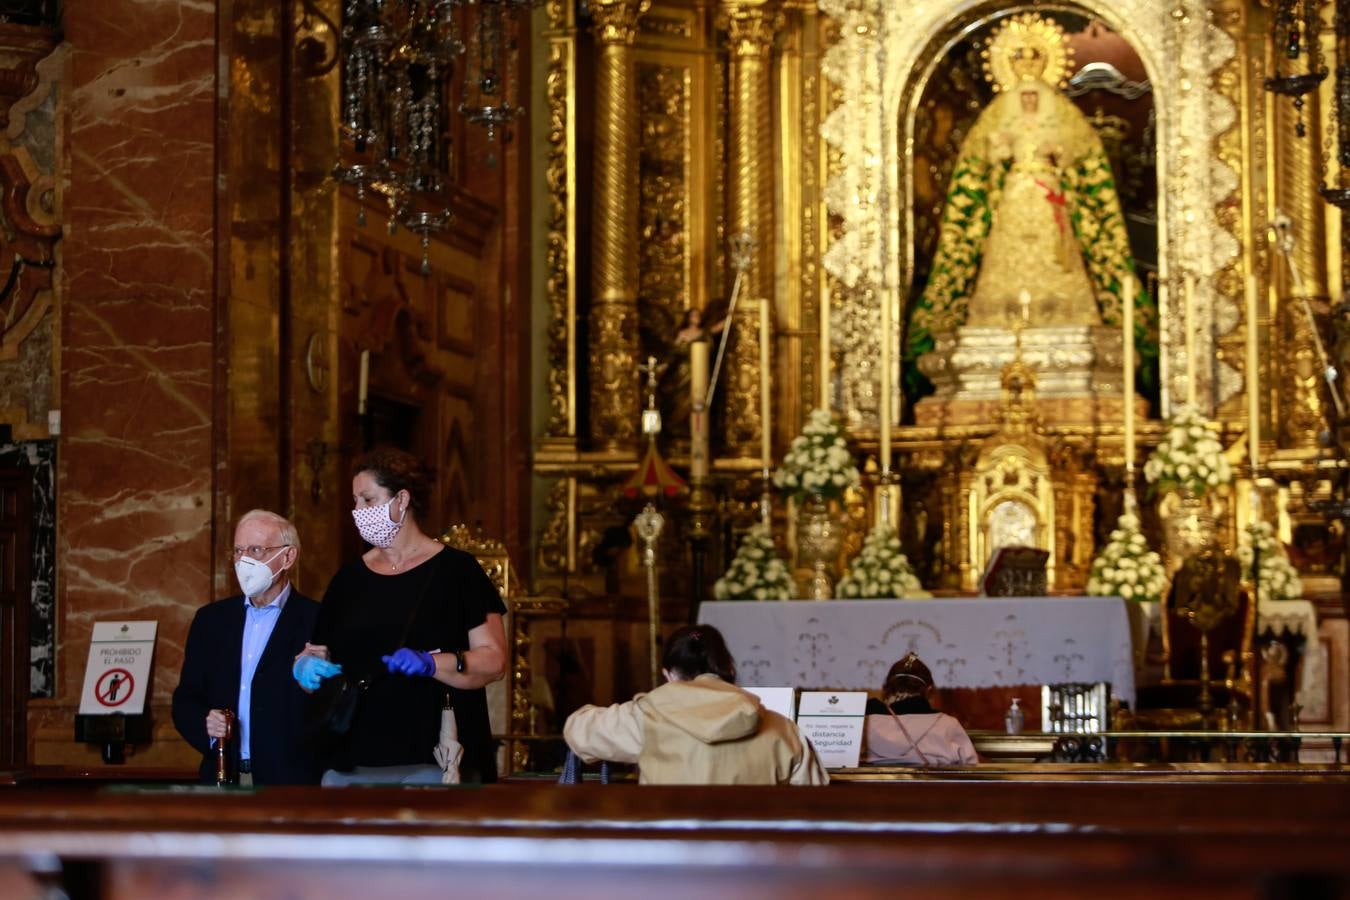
{"points": [[118, 671]]}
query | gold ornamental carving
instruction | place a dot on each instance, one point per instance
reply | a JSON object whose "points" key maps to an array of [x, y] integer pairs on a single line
{"points": [[614, 394], [663, 205], [613, 346], [751, 153], [814, 356], [1298, 270], [750, 27], [560, 238], [1302, 398], [876, 65], [555, 544], [616, 21]]}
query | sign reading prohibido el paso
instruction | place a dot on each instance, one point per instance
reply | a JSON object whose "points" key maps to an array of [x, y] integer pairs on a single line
{"points": [[117, 676]]}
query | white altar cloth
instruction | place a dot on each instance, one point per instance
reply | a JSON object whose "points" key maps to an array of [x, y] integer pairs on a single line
{"points": [[970, 642]]}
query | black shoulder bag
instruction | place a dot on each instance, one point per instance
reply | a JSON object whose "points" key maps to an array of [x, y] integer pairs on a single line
{"points": [[338, 698]]}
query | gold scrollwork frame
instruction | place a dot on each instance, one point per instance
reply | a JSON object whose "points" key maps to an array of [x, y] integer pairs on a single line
{"points": [[878, 65]]}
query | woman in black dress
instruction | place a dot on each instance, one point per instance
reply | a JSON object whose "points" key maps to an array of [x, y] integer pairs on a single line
{"points": [[417, 620]]}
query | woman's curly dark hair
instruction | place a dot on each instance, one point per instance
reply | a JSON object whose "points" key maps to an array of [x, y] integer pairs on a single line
{"points": [[396, 470]]}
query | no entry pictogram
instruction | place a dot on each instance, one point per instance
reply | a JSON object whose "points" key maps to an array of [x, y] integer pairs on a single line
{"points": [[114, 687]]}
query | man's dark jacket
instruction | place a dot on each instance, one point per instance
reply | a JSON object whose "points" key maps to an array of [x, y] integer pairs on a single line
{"points": [[210, 680]]}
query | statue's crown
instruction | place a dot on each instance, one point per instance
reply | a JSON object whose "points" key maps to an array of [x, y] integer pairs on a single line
{"points": [[1027, 47]]}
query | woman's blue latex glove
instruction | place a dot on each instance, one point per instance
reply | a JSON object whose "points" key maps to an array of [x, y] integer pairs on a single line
{"points": [[406, 661], [310, 671]]}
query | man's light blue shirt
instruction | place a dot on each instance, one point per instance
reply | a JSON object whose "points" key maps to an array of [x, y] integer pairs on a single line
{"points": [[258, 625]]}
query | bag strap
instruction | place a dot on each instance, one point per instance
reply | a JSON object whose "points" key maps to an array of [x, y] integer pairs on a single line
{"points": [[407, 626], [905, 731], [421, 599]]}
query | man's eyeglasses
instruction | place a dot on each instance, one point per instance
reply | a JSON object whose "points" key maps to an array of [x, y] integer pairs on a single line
{"points": [[256, 552]]}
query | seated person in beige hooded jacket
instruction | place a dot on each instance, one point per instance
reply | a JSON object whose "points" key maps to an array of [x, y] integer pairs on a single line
{"points": [[904, 728], [698, 727]]}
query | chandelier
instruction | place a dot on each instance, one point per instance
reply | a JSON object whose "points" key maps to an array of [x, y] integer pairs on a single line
{"points": [[398, 67], [1299, 66]]}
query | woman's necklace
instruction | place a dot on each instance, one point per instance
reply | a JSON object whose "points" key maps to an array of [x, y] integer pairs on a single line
{"points": [[412, 555]]}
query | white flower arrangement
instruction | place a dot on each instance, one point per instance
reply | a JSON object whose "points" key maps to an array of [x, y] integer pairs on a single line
{"points": [[1189, 458], [1278, 578], [757, 572], [880, 570], [1125, 567], [817, 461]]}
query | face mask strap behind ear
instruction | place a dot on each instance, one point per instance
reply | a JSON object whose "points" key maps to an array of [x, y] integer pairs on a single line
{"points": [[403, 515]]}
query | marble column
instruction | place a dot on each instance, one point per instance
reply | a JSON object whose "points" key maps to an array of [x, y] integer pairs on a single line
{"points": [[750, 26], [136, 455], [613, 339]]}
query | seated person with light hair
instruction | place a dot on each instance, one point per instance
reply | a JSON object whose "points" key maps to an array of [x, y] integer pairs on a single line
{"points": [[698, 727], [903, 728]]}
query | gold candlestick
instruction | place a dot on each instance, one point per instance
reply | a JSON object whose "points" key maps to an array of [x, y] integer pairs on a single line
{"points": [[1253, 381], [1190, 340], [765, 382], [648, 524], [1127, 377], [885, 410]]}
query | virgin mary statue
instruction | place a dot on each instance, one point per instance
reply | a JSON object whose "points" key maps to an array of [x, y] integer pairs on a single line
{"points": [[1032, 212]]}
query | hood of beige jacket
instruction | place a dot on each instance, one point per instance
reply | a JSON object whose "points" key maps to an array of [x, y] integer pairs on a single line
{"points": [[707, 708]]}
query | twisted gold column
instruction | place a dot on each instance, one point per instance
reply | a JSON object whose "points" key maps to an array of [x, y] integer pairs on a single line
{"points": [[750, 26], [614, 405], [1302, 398]]}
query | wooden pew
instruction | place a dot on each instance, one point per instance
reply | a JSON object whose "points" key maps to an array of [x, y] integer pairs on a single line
{"points": [[1230, 836]]}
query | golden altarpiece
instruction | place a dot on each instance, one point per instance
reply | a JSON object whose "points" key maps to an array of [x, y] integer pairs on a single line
{"points": [[847, 139]]}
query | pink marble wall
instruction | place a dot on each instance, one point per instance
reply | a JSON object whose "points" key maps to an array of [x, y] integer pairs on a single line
{"points": [[135, 455]]}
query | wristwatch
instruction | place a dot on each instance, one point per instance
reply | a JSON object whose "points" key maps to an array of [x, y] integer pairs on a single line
{"points": [[459, 661]]}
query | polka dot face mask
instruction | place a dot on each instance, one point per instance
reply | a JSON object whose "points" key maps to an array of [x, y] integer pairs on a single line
{"points": [[376, 526]]}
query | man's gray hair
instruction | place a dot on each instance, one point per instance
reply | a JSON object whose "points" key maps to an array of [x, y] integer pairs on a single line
{"points": [[289, 536]]}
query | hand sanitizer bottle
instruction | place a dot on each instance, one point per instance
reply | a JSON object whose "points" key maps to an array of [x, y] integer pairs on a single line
{"points": [[1014, 718]]}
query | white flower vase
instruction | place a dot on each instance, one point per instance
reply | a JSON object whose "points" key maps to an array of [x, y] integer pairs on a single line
{"points": [[819, 537]]}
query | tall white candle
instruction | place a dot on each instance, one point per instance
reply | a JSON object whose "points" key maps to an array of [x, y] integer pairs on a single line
{"points": [[1164, 348], [363, 383], [823, 366], [1127, 377], [698, 420], [1253, 378], [1190, 341], [885, 408], [765, 385]]}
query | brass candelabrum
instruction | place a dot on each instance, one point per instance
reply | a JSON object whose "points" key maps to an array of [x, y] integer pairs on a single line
{"points": [[702, 499]]}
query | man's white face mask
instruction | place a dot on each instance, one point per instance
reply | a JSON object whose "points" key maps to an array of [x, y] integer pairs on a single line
{"points": [[255, 576]]}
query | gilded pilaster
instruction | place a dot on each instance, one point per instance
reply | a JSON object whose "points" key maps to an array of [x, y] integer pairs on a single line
{"points": [[750, 26], [613, 347], [1302, 399], [560, 159]]}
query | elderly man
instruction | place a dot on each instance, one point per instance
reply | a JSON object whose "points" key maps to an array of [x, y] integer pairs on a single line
{"points": [[238, 659]]}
